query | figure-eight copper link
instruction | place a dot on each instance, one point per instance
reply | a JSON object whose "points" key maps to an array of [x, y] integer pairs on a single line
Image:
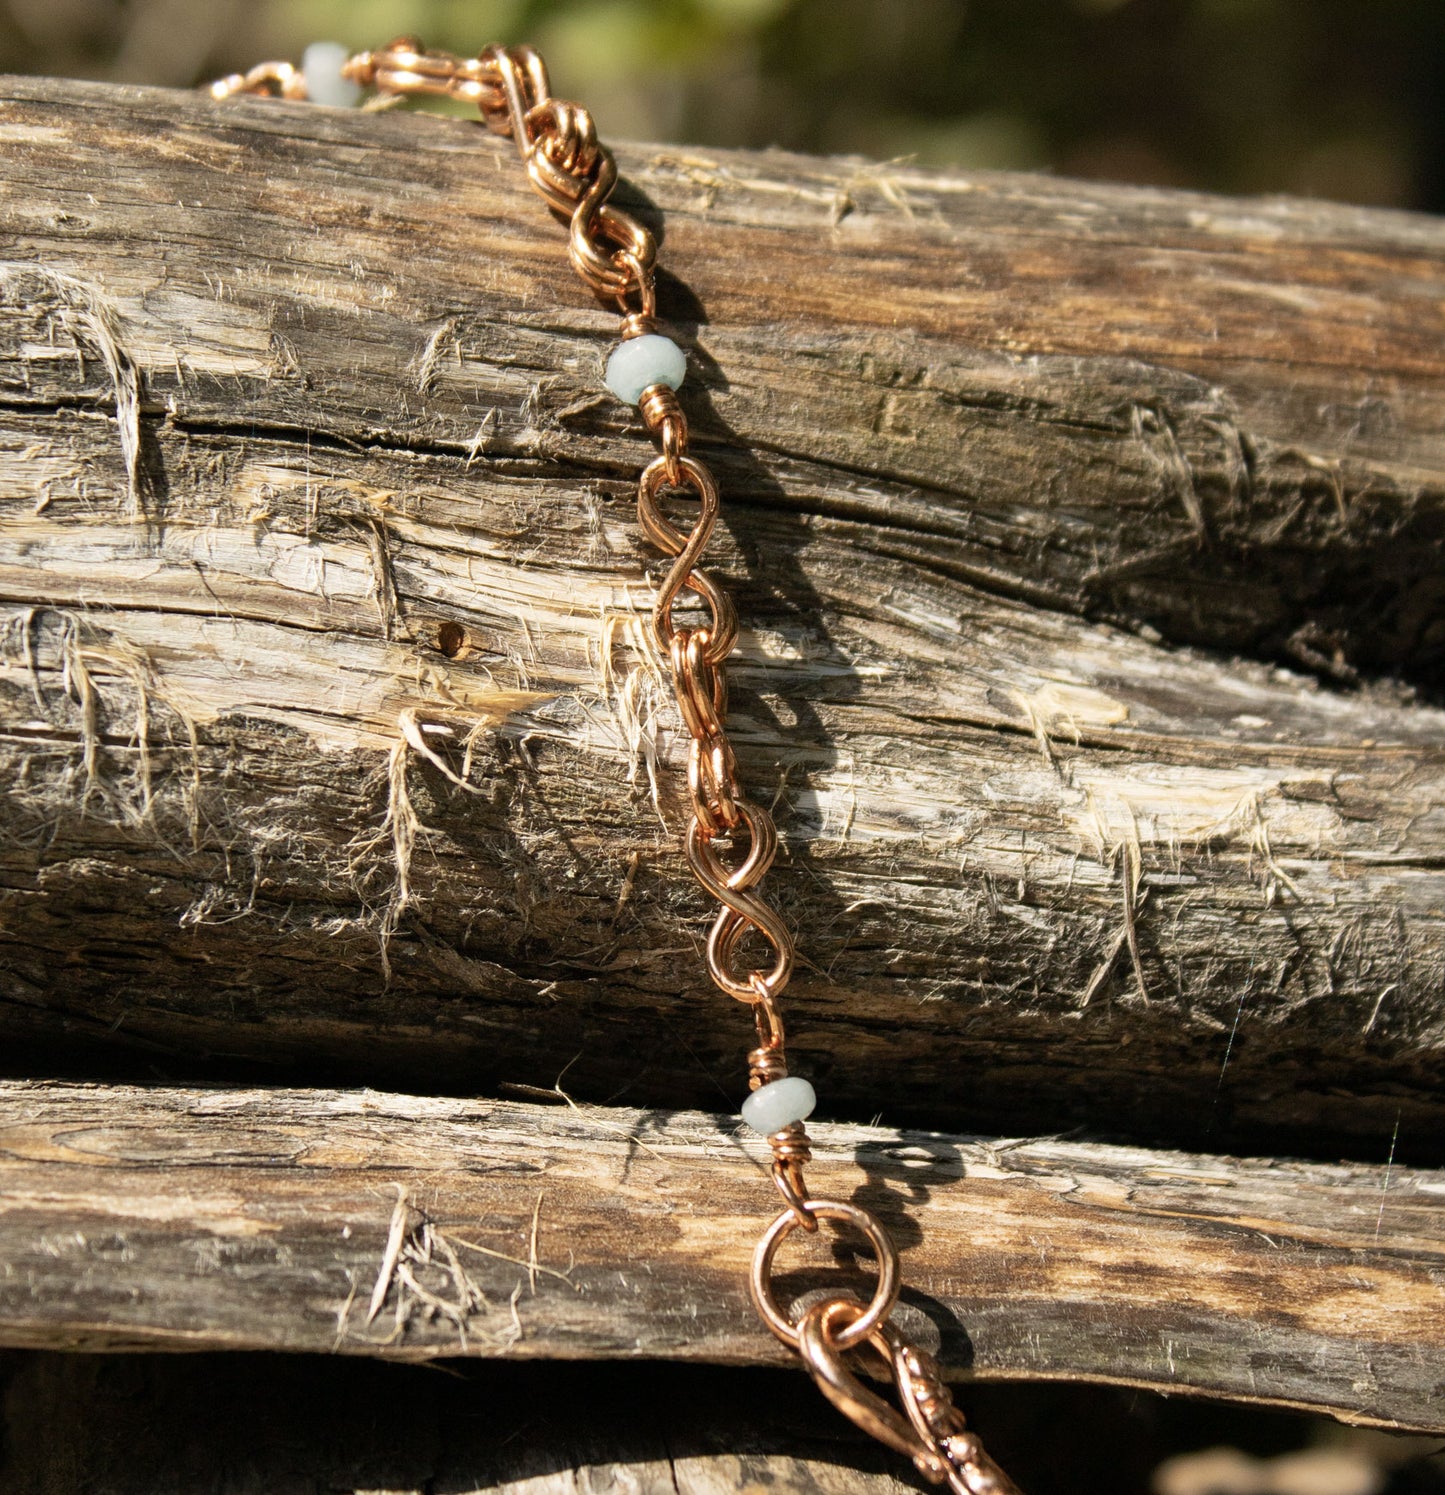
{"points": [[730, 841]]}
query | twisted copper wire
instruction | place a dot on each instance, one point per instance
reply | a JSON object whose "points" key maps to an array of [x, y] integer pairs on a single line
{"points": [[931, 1430], [572, 171], [278, 80]]}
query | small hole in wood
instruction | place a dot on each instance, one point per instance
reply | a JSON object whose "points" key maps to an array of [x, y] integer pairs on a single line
{"points": [[452, 639]]}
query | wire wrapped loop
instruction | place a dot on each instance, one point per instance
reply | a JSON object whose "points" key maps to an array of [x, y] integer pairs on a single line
{"points": [[791, 1185], [663, 415], [771, 1037], [792, 1151], [644, 281]]}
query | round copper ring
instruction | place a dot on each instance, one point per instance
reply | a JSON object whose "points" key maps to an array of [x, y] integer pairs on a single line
{"points": [[885, 1295]]}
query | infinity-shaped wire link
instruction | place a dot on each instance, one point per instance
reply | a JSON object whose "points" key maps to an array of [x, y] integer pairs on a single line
{"points": [[742, 911], [687, 546]]}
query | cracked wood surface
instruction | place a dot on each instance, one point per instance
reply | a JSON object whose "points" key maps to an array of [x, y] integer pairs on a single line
{"points": [[1088, 543], [413, 1228]]}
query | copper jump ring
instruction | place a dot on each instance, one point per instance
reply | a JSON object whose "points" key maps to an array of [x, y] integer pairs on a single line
{"points": [[885, 1294]]}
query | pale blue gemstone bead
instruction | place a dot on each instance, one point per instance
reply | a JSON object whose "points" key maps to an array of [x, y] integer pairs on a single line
{"points": [[321, 67], [641, 362], [772, 1107]]}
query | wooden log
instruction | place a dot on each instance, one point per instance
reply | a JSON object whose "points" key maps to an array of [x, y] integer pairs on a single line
{"points": [[1089, 542], [414, 1228]]}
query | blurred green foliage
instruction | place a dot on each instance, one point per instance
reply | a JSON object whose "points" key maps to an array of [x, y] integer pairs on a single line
{"points": [[1336, 98]]}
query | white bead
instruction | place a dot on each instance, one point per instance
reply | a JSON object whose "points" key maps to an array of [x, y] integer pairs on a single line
{"points": [[772, 1107], [641, 362], [321, 66]]}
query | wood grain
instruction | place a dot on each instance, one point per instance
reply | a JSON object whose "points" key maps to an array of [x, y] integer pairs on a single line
{"points": [[185, 1219], [1089, 542]]}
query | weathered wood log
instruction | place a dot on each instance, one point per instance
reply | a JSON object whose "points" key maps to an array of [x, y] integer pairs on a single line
{"points": [[1090, 544], [411, 1228]]}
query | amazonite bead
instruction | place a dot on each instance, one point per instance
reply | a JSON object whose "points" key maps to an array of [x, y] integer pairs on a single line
{"points": [[641, 362], [321, 67], [772, 1107]]}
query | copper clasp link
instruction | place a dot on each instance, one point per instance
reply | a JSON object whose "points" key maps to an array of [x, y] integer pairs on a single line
{"points": [[930, 1430]]}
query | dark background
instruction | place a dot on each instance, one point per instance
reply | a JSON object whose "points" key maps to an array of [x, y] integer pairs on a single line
{"points": [[1342, 99]]}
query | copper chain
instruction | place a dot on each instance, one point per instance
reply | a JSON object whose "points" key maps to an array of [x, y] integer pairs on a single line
{"points": [[730, 841]]}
